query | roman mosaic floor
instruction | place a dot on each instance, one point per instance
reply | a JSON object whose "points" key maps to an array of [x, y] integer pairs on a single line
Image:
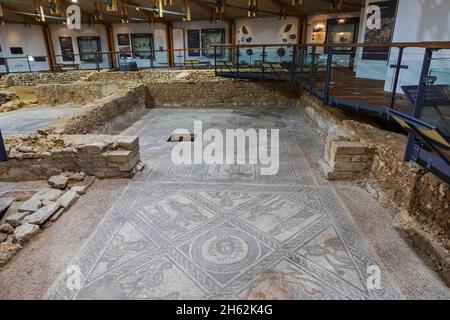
{"points": [[227, 232]]}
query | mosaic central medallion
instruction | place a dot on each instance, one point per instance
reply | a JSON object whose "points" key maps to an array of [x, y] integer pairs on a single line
{"points": [[225, 250]]}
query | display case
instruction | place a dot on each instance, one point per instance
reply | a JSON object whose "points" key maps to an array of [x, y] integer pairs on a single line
{"points": [[143, 47], [342, 31], [89, 47]]}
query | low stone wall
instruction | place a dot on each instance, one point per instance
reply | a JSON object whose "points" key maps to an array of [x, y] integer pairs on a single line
{"points": [[417, 193], [79, 92], [39, 156], [227, 94], [19, 79], [96, 116]]}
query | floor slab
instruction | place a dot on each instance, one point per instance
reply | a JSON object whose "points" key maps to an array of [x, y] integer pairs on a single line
{"points": [[222, 231], [31, 119]]}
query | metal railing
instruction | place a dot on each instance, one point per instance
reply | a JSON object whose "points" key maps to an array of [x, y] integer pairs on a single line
{"points": [[195, 58], [411, 78]]}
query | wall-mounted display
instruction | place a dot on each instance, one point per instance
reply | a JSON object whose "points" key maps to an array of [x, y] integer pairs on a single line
{"points": [[16, 50], [66, 48], [193, 41], [318, 31], [382, 35], [123, 39], [40, 59], [88, 48], [143, 46], [342, 31], [211, 37]]}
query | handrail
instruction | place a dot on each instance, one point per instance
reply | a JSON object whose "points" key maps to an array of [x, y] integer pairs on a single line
{"points": [[337, 83], [424, 44]]}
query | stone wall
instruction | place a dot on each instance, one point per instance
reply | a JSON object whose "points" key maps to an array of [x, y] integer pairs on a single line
{"points": [[79, 92], [408, 186], [39, 156], [19, 79], [95, 116], [227, 94]]}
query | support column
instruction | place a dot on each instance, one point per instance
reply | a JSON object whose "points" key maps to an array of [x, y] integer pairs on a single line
{"points": [[49, 46], [232, 32], [169, 42], [231, 38], [111, 46], [302, 30]]}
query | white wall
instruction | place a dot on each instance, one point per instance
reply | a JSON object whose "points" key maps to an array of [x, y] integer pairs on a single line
{"points": [[30, 39], [159, 39], [180, 40], [95, 30], [266, 31]]}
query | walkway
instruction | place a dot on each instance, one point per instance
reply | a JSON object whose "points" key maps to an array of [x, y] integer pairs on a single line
{"points": [[222, 231]]}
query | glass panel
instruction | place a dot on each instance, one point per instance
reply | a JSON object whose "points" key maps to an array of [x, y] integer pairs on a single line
{"points": [[87, 47], [436, 104], [143, 46], [212, 37]]}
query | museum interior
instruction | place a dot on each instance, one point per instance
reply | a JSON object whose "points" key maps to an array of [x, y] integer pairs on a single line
{"points": [[138, 141]]}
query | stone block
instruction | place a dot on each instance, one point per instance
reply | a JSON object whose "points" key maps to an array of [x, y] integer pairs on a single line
{"points": [[57, 214], [7, 251], [58, 182], [347, 148], [6, 228], [330, 174], [128, 142], [25, 232], [30, 205], [5, 203], [121, 156], [347, 166], [79, 189], [68, 199], [96, 147], [43, 214], [16, 218], [47, 194]]}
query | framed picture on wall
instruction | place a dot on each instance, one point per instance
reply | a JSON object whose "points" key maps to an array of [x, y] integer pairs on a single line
{"points": [[66, 48], [123, 39]]}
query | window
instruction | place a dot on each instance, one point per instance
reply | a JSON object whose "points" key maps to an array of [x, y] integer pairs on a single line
{"points": [[193, 40], [88, 46], [143, 45], [212, 37]]}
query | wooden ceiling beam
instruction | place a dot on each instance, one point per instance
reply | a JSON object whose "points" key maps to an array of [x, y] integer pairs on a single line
{"points": [[290, 9], [149, 15], [209, 7]]}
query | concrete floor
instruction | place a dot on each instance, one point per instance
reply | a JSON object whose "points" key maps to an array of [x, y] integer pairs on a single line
{"points": [[31, 119], [225, 232]]}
